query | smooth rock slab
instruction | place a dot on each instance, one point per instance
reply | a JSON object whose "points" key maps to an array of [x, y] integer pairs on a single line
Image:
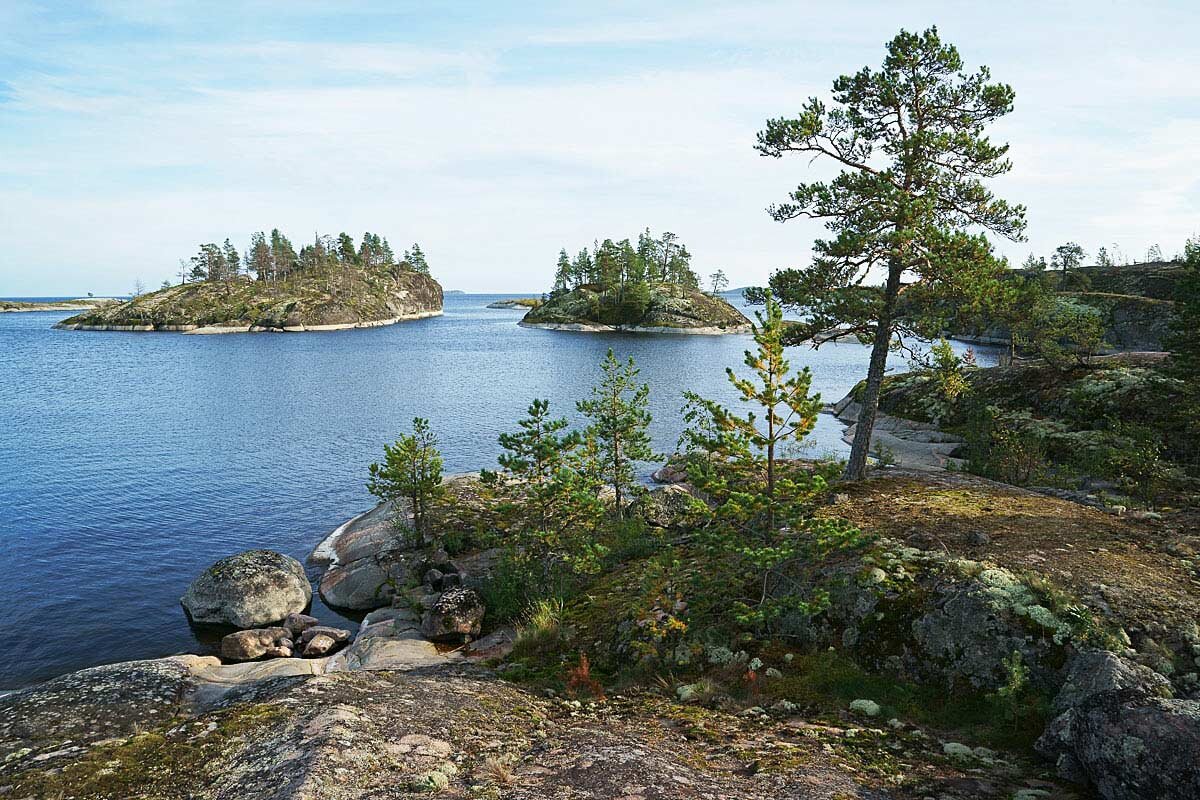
{"points": [[248, 590]]}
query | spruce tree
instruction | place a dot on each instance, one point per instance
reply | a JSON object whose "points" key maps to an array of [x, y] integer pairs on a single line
{"points": [[620, 421], [562, 274]]}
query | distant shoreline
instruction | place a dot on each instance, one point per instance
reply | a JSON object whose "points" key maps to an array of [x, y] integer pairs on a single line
{"points": [[205, 330]]}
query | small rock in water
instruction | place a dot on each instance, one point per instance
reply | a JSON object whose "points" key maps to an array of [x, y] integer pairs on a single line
{"points": [[337, 635], [256, 643], [299, 623], [319, 645]]}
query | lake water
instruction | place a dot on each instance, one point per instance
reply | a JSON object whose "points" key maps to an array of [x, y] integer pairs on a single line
{"points": [[130, 462]]}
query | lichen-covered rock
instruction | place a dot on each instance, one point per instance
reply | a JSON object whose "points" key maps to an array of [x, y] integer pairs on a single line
{"points": [[248, 645], [248, 590], [58, 719], [670, 506], [1091, 672], [455, 616], [1129, 744]]}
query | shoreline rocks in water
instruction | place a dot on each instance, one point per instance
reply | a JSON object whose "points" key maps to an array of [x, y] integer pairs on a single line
{"points": [[521, 303], [80, 304], [248, 590]]}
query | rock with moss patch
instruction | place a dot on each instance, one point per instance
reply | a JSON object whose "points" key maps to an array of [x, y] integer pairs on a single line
{"points": [[455, 616], [248, 590]]}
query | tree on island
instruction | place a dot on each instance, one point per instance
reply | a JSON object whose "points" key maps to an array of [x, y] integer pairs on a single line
{"points": [[719, 282], [910, 139], [620, 422], [1066, 257]]}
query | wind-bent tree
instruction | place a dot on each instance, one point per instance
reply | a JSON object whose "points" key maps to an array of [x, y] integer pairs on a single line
{"points": [[620, 422], [1067, 257], [909, 202]]}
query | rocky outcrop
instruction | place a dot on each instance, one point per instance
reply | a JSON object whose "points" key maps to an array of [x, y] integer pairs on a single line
{"points": [[1119, 730], [456, 616], [366, 560], [669, 308], [316, 302], [907, 443], [248, 590]]}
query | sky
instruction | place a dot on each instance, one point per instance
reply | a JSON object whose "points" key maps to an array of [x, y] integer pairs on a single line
{"points": [[495, 133]]}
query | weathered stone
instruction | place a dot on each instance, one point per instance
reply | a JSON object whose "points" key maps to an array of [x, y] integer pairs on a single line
{"points": [[319, 645], [298, 623], [454, 617], [1096, 671], [670, 506], [338, 635], [248, 590], [256, 643], [1129, 744]]}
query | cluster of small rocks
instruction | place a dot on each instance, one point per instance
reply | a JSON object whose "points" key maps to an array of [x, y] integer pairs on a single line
{"points": [[298, 635]]}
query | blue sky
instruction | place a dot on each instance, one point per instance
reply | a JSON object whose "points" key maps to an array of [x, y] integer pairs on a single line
{"points": [[496, 133]]}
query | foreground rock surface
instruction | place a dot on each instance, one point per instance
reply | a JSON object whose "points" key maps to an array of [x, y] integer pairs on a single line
{"points": [[248, 590]]}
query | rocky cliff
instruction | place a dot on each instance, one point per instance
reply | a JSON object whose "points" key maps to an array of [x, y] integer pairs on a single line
{"points": [[663, 308], [323, 301]]}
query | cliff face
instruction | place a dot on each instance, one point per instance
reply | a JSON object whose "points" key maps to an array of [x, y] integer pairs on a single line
{"points": [[359, 298], [661, 307]]}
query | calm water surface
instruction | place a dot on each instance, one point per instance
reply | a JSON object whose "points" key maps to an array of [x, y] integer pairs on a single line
{"points": [[130, 462]]}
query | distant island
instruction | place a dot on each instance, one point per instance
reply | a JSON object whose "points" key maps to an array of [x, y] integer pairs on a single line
{"points": [[329, 285], [648, 287], [79, 304], [520, 302]]}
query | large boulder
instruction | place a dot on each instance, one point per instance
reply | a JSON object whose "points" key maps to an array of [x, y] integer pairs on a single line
{"points": [[670, 506], [366, 559], [456, 616], [252, 644], [248, 590], [1118, 729]]}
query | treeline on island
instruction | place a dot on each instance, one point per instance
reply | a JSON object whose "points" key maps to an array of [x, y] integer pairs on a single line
{"points": [[623, 266], [273, 257]]}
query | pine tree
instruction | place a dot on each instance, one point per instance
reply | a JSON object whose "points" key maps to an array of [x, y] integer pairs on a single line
{"points": [[258, 257], [910, 141], [233, 262], [552, 506], [412, 470], [752, 446], [620, 420], [1183, 344], [562, 274], [719, 281], [283, 255], [416, 259], [347, 254]]}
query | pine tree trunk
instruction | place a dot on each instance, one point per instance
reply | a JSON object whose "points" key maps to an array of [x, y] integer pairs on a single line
{"points": [[856, 467]]}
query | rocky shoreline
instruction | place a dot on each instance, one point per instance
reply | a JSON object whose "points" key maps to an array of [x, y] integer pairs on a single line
{"points": [[595, 327], [413, 698], [202, 330]]}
